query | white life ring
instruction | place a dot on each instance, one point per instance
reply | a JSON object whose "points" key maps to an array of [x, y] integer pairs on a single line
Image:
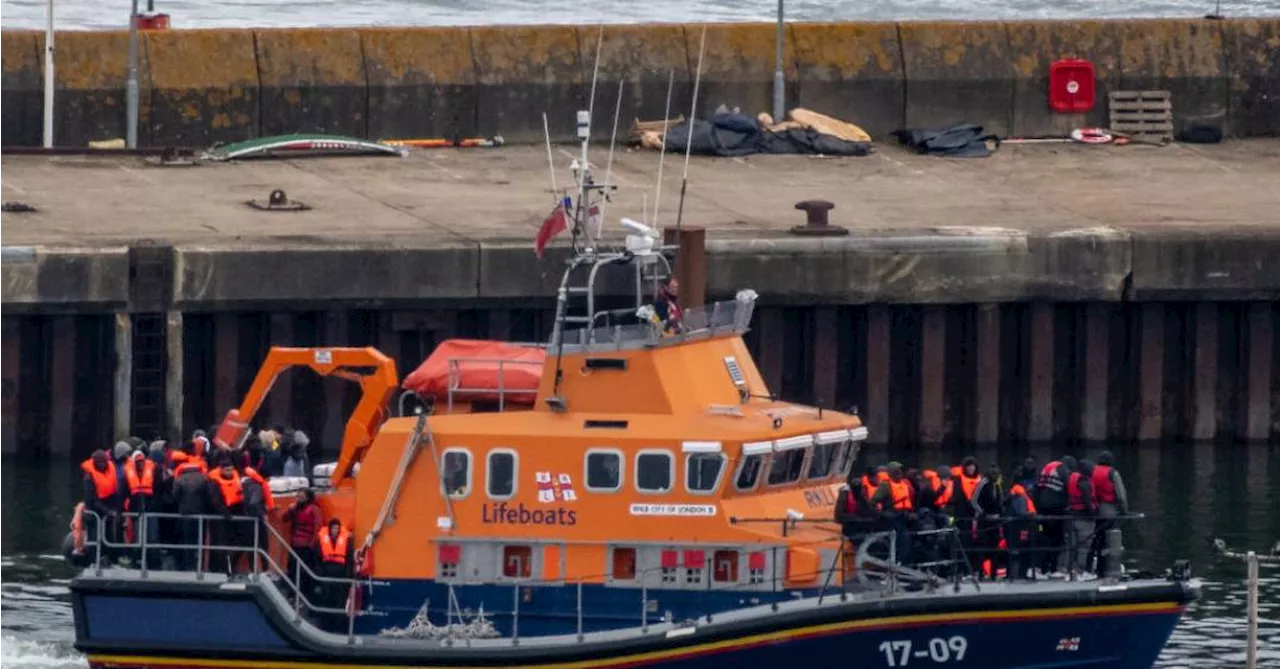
{"points": [[1091, 135]]}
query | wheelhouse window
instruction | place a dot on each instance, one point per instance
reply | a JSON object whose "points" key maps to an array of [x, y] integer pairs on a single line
{"points": [[702, 468], [823, 461], [500, 474], [457, 472], [604, 470], [749, 468], [788, 461], [654, 471], [844, 462]]}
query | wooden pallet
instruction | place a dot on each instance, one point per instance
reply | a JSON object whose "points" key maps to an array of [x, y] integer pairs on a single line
{"points": [[1142, 115]]}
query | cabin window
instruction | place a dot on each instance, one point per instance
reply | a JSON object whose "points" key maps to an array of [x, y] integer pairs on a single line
{"points": [[823, 460], [457, 472], [604, 470], [786, 466], [725, 565], [624, 564], [702, 472], [848, 454], [517, 561], [654, 471], [749, 472], [500, 474]]}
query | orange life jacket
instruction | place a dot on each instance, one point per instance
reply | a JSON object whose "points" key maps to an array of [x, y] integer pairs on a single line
{"points": [[144, 484], [187, 462], [868, 487], [901, 495], [268, 499], [232, 490], [968, 484], [932, 477], [331, 551], [104, 483], [945, 489], [1018, 491]]}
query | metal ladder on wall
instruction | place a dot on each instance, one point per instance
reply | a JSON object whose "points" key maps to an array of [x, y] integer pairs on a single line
{"points": [[148, 419]]}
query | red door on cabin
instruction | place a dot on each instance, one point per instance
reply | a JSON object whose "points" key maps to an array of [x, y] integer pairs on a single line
{"points": [[1072, 86]]}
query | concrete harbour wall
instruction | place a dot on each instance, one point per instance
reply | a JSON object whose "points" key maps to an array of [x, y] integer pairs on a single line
{"points": [[203, 86]]}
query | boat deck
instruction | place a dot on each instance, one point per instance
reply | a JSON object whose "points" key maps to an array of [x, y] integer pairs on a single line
{"points": [[443, 198]]}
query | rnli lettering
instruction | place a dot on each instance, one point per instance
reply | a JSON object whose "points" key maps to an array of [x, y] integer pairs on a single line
{"points": [[820, 498], [501, 514]]}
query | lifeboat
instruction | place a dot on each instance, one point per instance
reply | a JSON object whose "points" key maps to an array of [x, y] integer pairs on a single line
{"points": [[628, 493]]}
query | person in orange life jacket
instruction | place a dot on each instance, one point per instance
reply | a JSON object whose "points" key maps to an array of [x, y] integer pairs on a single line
{"points": [[201, 444], [856, 515], [927, 547], [144, 480], [1050, 496], [337, 559], [666, 305], [1082, 508], [895, 497], [945, 489], [1020, 529], [227, 494], [1112, 499], [102, 497], [987, 501], [191, 497]]}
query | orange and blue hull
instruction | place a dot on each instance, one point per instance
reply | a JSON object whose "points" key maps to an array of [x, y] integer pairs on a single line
{"points": [[1117, 629]]}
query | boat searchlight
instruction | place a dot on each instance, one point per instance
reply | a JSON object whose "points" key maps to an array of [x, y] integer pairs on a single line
{"points": [[641, 238]]}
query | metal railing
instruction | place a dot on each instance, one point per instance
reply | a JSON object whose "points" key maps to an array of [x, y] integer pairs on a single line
{"points": [[455, 386], [715, 319], [106, 543], [884, 572]]}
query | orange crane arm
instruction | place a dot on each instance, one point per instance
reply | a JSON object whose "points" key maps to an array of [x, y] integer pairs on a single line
{"points": [[377, 388]]}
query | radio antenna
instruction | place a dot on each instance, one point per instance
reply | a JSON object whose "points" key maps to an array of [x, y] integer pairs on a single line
{"points": [[693, 114], [608, 170], [595, 74], [666, 122], [551, 163]]}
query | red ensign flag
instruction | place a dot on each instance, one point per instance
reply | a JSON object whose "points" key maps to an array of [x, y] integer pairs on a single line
{"points": [[552, 226]]}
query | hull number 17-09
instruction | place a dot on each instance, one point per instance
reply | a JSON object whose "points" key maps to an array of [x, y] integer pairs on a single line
{"points": [[900, 653]]}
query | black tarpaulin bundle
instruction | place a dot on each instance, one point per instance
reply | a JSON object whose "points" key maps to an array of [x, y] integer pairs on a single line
{"points": [[730, 135], [962, 140]]}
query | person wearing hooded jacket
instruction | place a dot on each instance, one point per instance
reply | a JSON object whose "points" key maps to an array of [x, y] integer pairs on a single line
{"points": [[190, 493], [1050, 497], [987, 501]]}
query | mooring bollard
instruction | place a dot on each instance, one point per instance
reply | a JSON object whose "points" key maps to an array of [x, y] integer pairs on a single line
{"points": [[1251, 585]]}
